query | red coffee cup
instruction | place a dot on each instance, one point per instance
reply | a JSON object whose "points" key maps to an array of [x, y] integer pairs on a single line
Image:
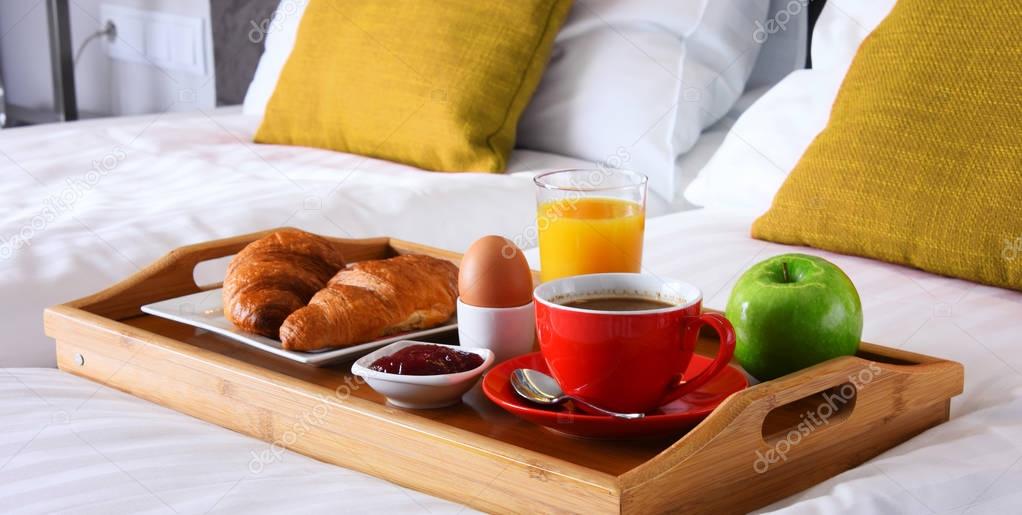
{"points": [[626, 361]]}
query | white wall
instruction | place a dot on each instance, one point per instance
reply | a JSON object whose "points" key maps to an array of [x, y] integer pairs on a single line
{"points": [[105, 87]]}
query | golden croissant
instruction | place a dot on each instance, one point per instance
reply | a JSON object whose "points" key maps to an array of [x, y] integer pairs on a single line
{"points": [[372, 299], [276, 275]]}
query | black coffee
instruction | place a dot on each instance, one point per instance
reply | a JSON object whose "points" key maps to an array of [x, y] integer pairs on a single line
{"points": [[617, 304]]}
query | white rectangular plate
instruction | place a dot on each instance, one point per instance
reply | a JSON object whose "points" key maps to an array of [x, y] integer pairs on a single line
{"points": [[205, 310]]}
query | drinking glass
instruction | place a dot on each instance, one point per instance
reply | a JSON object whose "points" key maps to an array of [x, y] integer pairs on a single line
{"points": [[590, 221]]}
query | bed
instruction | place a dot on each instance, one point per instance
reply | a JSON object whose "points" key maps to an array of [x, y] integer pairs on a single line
{"points": [[67, 444]]}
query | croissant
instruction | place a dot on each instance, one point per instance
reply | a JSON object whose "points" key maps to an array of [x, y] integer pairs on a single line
{"points": [[274, 276], [372, 299]]}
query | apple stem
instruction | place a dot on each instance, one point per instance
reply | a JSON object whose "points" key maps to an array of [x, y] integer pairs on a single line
{"points": [[784, 270]]}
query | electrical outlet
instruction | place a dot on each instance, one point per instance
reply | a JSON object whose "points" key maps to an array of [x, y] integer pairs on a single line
{"points": [[164, 40]]}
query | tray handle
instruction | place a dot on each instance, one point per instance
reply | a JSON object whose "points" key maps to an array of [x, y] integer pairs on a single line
{"points": [[813, 409], [884, 404], [850, 393], [174, 274]]}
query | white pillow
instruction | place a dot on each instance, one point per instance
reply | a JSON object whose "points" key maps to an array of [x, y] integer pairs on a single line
{"points": [[842, 27], [765, 144], [631, 83], [641, 79], [769, 138], [281, 34]]}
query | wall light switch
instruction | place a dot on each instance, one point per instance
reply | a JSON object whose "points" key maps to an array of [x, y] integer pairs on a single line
{"points": [[158, 39]]}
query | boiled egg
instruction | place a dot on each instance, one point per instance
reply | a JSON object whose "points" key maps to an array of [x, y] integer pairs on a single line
{"points": [[494, 274]]}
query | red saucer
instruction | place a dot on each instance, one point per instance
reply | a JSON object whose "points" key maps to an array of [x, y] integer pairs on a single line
{"points": [[672, 418]]}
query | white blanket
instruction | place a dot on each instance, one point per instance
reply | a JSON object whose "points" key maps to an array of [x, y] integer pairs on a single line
{"points": [[66, 443], [86, 204], [69, 445]]}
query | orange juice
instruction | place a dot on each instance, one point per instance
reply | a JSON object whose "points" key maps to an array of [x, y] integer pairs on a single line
{"points": [[588, 236]]}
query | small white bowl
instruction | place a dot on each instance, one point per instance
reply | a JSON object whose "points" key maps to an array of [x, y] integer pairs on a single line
{"points": [[420, 392]]}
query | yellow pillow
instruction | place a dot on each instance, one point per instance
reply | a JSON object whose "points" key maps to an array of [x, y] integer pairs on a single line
{"points": [[921, 161], [438, 84]]}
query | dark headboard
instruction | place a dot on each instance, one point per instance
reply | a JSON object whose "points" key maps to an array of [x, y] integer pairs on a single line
{"points": [[239, 30], [815, 7]]}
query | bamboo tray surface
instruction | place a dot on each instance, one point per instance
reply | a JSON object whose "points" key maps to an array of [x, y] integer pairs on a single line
{"points": [[476, 453]]}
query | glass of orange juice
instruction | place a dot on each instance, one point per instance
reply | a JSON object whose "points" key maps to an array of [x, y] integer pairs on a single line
{"points": [[590, 221]]}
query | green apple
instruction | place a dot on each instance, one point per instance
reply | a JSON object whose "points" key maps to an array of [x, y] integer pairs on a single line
{"points": [[793, 311]]}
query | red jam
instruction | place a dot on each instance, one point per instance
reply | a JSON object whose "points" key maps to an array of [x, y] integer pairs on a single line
{"points": [[427, 360]]}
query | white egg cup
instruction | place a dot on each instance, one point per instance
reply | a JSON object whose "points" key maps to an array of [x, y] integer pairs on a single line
{"points": [[508, 332]]}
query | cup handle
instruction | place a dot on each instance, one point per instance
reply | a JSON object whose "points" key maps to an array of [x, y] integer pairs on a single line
{"points": [[724, 354]]}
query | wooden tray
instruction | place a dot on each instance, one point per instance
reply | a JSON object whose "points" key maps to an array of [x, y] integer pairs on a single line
{"points": [[477, 454]]}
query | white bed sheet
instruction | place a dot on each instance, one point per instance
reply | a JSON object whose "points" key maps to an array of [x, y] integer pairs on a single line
{"points": [[66, 443]]}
